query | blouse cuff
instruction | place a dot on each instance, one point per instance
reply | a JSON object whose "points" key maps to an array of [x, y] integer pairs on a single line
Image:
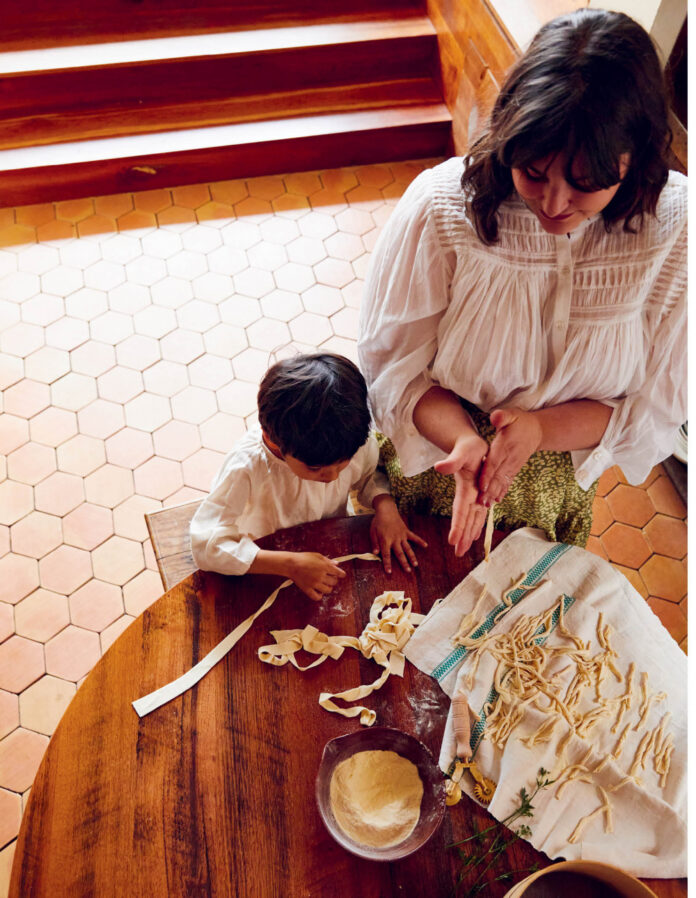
{"points": [[590, 464]]}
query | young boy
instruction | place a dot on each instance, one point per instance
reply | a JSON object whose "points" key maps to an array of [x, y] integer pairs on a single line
{"points": [[311, 448]]}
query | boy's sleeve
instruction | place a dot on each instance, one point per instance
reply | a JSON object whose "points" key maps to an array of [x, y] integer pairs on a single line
{"points": [[216, 542], [372, 482]]}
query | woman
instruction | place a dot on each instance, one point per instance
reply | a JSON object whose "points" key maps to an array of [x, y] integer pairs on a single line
{"points": [[538, 301]]}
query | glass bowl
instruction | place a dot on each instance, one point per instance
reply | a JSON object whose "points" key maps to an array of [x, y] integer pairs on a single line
{"points": [[432, 808]]}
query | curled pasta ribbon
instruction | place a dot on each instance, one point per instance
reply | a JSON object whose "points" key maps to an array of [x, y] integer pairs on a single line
{"points": [[390, 627], [182, 684]]}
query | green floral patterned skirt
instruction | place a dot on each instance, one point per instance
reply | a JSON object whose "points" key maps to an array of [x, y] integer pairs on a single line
{"points": [[545, 493]]}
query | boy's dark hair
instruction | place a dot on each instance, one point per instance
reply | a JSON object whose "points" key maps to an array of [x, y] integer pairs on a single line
{"points": [[591, 85], [314, 407]]}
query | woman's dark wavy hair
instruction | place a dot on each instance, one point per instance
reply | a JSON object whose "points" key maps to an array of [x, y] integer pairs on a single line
{"points": [[590, 85], [314, 407]]}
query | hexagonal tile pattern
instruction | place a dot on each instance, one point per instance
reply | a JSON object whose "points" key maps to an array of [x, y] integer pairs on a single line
{"points": [[42, 705], [134, 332]]}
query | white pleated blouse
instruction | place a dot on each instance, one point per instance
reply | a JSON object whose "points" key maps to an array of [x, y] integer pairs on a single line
{"points": [[532, 321]]}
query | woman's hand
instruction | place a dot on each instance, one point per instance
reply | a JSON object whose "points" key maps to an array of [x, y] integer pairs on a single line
{"points": [[389, 533], [468, 515], [519, 435]]}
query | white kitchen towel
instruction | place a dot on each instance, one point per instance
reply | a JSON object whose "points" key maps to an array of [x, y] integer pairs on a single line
{"points": [[649, 822]]}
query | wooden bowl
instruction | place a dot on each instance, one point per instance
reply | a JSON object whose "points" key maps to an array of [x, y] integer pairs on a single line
{"points": [[625, 884], [432, 808]]}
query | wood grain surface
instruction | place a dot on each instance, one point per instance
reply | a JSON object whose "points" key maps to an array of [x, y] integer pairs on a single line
{"points": [[213, 793]]}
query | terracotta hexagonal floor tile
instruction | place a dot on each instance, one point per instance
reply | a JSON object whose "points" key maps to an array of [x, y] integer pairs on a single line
{"points": [[41, 615], [198, 316], [59, 493], [162, 244], [148, 412], [317, 224], [269, 256], [240, 311], [20, 755], [249, 365], [255, 282], [21, 339], [53, 426], [14, 432], [129, 448], [200, 469], [176, 219], [109, 485], [87, 526], [4, 532], [72, 653], [75, 210], [634, 578], [171, 292], [211, 372], [334, 273], [345, 323], [129, 516], [194, 405], [141, 592], [667, 536], [81, 455], [278, 304], [625, 545], [31, 463], [42, 705], [209, 287], [186, 264], [104, 275], [308, 250], [108, 636], [294, 277], [111, 327], [127, 299], [374, 175], [120, 385], [9, 712], [10, 818], [290, 206], [121, 248], [339, 179], [229, 192], [322, 300], [137, 352], [26, 398], [607, 482], [355, 221], [96, 605], [221, 432], [166, 378], [93, 358], [238, 398], [361, 265], [65, 569], [11, 371], [79, 253], [20, 285], [101, 418], [341, 346], [601, 516], [227, 260], [630, 505], [665, 498], [7, 625], [73, 391], [47, 364], [671, 616], [154, 321], [176, 440], [36, 535], [19, 576], [267, 334], [158, 478], [117, 561], [191, 196], [67, 333], [180, 497], [86, 303], [182, 346], [665, 577], [21, 663], [309, 328], [302, 183], [152, 200]]}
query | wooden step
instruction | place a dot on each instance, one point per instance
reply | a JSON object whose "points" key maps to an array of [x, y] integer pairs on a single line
{"points": [[169, 158], [45, 23], [131, 75]]}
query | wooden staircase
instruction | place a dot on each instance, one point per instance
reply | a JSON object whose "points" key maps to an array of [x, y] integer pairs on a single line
{"points": [[280, 89]]}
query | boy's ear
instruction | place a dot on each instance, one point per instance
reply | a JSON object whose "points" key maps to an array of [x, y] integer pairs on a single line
{"points": [[274, 447]]}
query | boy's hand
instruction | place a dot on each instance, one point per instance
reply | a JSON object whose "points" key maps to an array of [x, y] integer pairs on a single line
{"points": [[315, 574], [389, 533]]}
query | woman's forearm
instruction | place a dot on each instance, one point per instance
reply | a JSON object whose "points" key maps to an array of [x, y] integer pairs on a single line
{"points": [[440, 418], [579, 424]]}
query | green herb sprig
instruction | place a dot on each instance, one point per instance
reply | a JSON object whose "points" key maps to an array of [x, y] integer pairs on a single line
{"points": [[500, 839]]}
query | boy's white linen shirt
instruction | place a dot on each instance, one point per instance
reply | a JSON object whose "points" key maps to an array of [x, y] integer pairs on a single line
{"points": [[255, 494], [532, 321]]}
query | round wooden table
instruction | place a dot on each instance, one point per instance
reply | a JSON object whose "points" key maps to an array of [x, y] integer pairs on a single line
{"points": [[213, 793]]}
